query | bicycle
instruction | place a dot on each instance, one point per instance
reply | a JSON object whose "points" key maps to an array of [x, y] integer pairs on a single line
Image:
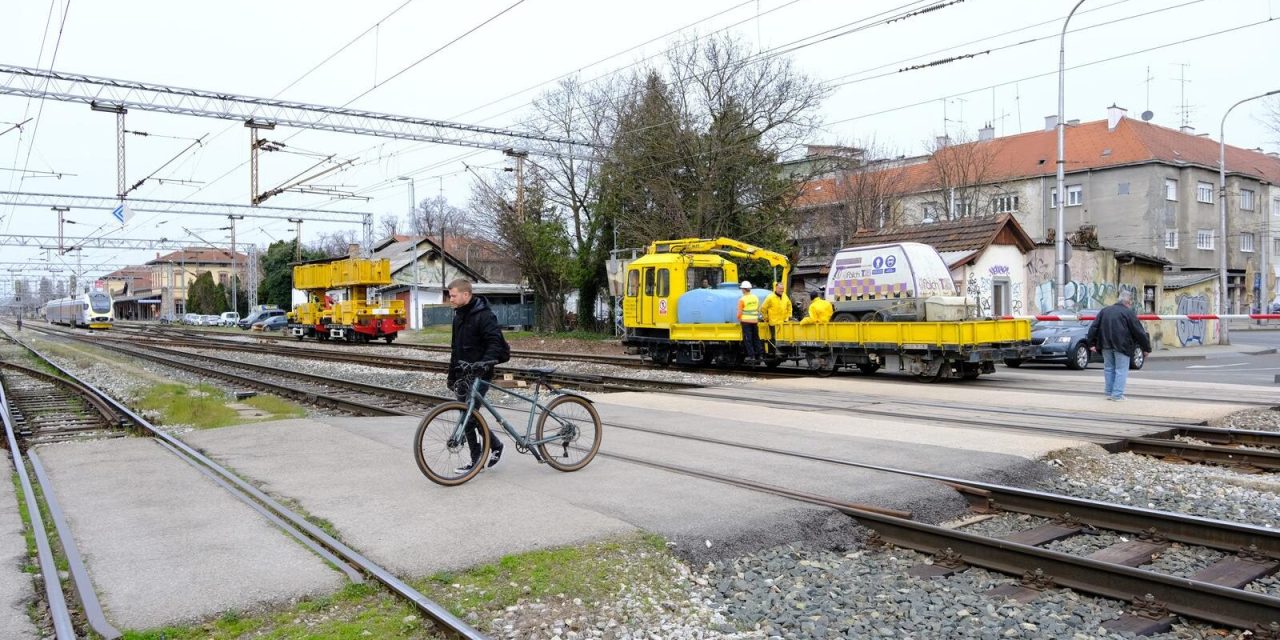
{"points": [[567, 423]]}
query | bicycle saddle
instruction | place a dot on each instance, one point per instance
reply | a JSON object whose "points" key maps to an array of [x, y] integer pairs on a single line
{"points": [[543, 371]]}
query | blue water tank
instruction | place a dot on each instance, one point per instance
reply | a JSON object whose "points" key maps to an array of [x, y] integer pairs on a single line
{"points": [[712, 306]]}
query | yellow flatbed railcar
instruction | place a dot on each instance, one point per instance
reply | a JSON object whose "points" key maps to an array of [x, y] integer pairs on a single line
{"points": [[694, 271]]}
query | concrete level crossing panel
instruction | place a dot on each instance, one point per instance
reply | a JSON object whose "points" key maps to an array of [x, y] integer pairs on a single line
{"points": [[166, 545], [17, 588]]}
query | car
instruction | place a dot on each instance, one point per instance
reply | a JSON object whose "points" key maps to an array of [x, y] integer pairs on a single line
{"points": [[190, 318], [228, 319], [273, 323], [212, 321], [1066, 342], [259, 316]]}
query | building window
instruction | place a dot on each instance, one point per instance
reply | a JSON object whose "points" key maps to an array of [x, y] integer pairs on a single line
{"points": [[1246, 242], [222, 279], [1171, 189], [1075, 195], [1204, 192], [1005, 203], [809, 248], [1246, 200], [1149, 299], [961, 208], [1171, 238], [1204, 239], [931, 211], [1275, 251], [1275, 207]]}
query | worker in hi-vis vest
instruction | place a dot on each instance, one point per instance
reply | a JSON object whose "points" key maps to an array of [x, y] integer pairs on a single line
{"points": [[749, 317], [819, 310]]}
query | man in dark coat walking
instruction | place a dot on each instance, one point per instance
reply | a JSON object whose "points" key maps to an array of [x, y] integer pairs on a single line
{"points": [[1117, 332], [476, 338]]}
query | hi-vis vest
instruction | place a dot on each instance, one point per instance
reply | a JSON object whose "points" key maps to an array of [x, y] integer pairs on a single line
{"points": [[749, 308]]}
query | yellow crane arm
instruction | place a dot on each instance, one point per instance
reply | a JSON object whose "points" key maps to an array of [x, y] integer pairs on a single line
{"points": [[724, 246]]}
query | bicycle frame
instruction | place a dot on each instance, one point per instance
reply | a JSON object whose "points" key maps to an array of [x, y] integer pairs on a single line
{"points": [[535, 408]]}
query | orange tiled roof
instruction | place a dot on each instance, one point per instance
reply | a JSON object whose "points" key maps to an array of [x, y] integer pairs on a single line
{"points": [[201, 256], [966, 234], [1088, 146]]}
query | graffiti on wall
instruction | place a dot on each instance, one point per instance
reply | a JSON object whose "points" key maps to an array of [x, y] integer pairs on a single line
{"points": [[982, 290], [1191, 331], [1081, 295]]}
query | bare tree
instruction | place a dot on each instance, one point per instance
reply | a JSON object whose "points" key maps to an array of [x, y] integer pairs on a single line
{"points": [[868, 192], [434, 215], [335, 244], [960, 172], [388, 224]]}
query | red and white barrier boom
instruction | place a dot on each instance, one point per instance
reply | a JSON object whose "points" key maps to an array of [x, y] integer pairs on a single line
{"points": [[1149, 316]]}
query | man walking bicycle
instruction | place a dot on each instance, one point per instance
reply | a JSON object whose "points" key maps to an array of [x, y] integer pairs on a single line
{"points": [[1117, 332], [476, 338]]}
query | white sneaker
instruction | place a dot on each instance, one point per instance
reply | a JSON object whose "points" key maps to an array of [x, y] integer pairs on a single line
{"points": [[463, 470]]}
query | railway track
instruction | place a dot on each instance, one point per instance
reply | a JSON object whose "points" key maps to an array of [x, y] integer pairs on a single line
{"points": [[350, 561], [580, 381], [1216, 594]]}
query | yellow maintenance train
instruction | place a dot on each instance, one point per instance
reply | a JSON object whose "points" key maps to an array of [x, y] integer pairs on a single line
{"points": [[680, 303]]}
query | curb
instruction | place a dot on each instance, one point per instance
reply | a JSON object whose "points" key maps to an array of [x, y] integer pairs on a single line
{"points": [[1205, 356]]}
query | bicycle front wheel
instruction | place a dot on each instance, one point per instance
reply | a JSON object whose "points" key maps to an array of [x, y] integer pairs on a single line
{"points": [[441, 449], [575, 425]]}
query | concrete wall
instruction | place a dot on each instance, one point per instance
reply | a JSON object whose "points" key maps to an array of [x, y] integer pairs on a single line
{"points": [[1199, 298], [1094, 281], [999, 263]]}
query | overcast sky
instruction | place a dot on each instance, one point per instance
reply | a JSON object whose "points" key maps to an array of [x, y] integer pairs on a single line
{"points": [[261, 48]]}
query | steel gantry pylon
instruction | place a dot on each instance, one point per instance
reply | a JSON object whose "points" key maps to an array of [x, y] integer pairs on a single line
{"points": [[109, 94], [49, 200]]}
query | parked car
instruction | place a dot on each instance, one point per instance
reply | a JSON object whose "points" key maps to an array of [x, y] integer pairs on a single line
{"points": [[273, 323], [1066, 342], [212, 321], [190, 318], [228, 319], [259, 316]]}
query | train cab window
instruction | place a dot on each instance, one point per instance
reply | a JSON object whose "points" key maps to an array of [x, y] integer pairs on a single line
{"points": [[704, 278], [633, 283], [648, 282], [664, 283]]}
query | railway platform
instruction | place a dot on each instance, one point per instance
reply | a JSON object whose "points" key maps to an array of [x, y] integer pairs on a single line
{"points": [[15, 584]]}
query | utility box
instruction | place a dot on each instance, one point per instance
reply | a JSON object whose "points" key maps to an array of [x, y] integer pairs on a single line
{"points": [[946, 308]]}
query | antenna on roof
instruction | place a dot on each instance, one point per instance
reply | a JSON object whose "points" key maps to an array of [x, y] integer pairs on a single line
{"points": [[1184, 109], [1147, 115]]}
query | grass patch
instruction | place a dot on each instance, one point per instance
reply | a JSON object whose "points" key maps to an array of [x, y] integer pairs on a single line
{"points": [[278, 407], [592, 573], [204, 406]]}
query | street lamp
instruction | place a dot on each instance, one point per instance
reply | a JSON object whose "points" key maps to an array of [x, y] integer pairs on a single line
{"points": [[1224, 336], [1061, 236], [415, 314]]}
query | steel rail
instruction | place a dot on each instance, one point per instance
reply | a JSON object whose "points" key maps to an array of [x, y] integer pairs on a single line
{"points": [[58, 612], [94, 401], [1260, 458], [1219, 534], [428, 606], [1235, 607], [75, 562]]}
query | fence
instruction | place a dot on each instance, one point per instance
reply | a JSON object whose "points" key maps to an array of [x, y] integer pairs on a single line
{"points": [[510, 314]]}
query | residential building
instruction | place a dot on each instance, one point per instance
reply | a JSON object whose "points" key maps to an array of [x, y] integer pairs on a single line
{"points": [[1143, 188], [173, 274]]}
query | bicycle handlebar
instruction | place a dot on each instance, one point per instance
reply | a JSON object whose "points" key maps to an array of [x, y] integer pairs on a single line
{"points": [[477, 367]]}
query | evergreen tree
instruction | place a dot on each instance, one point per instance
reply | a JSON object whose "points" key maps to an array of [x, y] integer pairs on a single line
{"points": [[205, 297], [277, 273]]}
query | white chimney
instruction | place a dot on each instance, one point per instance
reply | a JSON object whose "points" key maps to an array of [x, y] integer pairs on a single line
{"points": [[1114, 116], [1050, 123], [987, 133], [1073, 122], [942, 141], [1187, 129]]}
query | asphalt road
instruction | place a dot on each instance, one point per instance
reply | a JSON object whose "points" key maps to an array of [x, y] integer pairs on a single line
{"points": [[1227, 368]]}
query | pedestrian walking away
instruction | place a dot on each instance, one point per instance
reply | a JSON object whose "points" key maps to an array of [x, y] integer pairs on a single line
{"points": [[476, 338], [1116, 332], [749, 318], [19, 323]]}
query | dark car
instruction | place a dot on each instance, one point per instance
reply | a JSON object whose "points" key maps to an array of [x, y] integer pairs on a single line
{"points": [[1066, 342], [272, 323], [259, 316]]}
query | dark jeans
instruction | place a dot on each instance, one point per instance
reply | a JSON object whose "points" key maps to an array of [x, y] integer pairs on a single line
{"points": [[751, 341], [473, 427]]}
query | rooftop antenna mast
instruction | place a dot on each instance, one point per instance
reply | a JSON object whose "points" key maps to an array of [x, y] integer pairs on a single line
{"points": [[1184, 109]]}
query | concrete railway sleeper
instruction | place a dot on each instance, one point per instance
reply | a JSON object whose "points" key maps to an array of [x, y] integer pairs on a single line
{"points": [[1154, 598], [333, 550]]}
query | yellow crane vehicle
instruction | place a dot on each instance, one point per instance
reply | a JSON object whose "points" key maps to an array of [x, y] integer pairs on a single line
{"points": [[680, 306], [338, 304]]}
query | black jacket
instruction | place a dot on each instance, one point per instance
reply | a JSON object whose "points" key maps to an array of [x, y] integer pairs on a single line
{"points": [[1117, 327], [476, 336]]}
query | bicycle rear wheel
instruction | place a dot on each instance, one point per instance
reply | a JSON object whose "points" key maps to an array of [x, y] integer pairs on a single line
{"points": [[576, 425], [441, 457]]}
